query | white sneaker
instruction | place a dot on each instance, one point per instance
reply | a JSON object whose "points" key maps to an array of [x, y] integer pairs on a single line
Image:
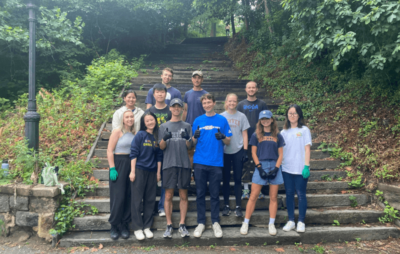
{"points": [[148, 233], [161, 213], [289, 226], [217, 230], [301, 227], [245, 228], [139, 234], [199, 230], [271, 229]]}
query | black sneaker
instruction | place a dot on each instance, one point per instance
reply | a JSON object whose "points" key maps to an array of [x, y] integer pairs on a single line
{"points": [[182, 229], [125, 230], [226, 211], [168, 232], [238, 212], [114, 233]]}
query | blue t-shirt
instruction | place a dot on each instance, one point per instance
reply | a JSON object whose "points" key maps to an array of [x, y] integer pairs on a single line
{"points": [[267, 149], [143, 148], [172, 93], [194, 106], [210, 151]]}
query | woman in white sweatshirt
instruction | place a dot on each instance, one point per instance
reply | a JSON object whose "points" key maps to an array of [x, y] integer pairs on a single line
{"points": [[129, 97]]}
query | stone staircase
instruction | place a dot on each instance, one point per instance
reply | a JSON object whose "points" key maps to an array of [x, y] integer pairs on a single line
{"points": [[327, 200]]}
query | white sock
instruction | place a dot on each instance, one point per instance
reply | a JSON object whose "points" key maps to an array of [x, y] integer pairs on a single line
{"points": [[271, 221], [246, 220], [246, 186]]}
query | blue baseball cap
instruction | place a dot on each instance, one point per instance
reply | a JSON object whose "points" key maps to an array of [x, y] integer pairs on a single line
{"points": [[176, 101], [265, 114]]}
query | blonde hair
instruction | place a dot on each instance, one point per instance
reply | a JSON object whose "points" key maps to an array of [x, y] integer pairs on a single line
{"points": [[121, 124], [227, 96]]}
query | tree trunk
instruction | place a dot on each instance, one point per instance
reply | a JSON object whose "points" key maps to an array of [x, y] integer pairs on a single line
{"points": [[213, 32], [185, 29], [233, 25], [246, 19], [267, 15]]}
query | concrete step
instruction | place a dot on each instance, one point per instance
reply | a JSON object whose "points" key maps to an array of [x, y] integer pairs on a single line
{"points": [[313, 201], [258, 218], [206, 40], [232, 237]]}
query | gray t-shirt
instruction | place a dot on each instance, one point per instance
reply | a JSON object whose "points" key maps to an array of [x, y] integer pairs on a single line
{"points": [[238, 123], [176, 153]]}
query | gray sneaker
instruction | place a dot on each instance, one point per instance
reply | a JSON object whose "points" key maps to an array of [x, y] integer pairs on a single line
{"points": [[184, 232], [168, 232]]}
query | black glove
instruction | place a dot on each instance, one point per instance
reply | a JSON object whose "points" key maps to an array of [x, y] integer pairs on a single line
{"points": [[245, 158], [197, 133], [219, 135], [261, 172], [272, 174], [185, 135], [167, 135]]}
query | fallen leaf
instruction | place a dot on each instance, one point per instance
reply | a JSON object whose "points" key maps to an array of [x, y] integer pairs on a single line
{"points": [[349, 168], [343, 192], [280, 250], [100, 246], [94, 250], [233, 249]]}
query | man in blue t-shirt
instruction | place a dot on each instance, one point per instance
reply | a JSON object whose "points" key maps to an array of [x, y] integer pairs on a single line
{"points": [[193, 107], [166, 77], [211, 133]]}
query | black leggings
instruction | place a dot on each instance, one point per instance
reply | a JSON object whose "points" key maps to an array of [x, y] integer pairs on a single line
{"points": [[234, 160]]}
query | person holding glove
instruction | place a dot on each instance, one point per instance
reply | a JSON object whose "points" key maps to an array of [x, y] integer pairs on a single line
{"points": [[118, 150], [267, 151], [296, 164], [235, 154]]}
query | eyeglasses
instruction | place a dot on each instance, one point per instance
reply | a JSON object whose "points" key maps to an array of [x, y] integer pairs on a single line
{"points": [[293, 114]]}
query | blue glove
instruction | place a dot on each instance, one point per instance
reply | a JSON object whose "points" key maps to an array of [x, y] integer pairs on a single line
{"points": [[306, 172]]}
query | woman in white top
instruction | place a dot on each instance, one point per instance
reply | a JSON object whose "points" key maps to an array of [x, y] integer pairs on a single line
{"points": [[296, 164], [129, 97], [118, 150]]}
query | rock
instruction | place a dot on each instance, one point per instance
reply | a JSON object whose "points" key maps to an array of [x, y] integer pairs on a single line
{"points": [[9, 222], [27, 219], [45, 224], [43, 205], [4, 204], [23, 237], [21, 205]]}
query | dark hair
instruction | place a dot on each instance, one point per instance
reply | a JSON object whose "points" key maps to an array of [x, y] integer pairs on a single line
{"points": [[126, 92], [159, 87], [207, 96], [144, 128], [260, 130], [168, 69], [300, 121], [252, 82]]}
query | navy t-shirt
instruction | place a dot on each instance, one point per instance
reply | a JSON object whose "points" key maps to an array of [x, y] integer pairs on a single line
{"points": [[144, 149], [194, 106], [267, 149], [210, 151], [252, 110], [172, 93]]}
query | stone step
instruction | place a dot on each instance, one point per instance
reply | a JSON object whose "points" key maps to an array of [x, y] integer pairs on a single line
{"points": [[187, 56], [208, 80], [188, 72], [189, 62], [313, 201], [208, 85], [232, 237], [258, 218], [206, 40]]}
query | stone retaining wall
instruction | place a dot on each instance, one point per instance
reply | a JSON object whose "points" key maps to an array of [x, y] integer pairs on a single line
{"points": [[29, 206]]}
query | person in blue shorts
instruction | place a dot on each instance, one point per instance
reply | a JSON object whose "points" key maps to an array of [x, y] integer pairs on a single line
{"points": [[211, 133], [267, 151]]}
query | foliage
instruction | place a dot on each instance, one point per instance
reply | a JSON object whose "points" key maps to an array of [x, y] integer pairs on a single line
{"points": [[337, 152], [353, 201], [390, 214], [356, 179], [379, 194], [336, 223], [319, 249]]}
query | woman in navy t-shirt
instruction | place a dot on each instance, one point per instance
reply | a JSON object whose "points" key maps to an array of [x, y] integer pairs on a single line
{"points": [[267, 151]]}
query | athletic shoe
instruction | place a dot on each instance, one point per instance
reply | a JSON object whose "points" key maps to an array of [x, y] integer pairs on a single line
{"points": [[289, 226], [168, 232], [245, 228], [301, 227], [139, 234], [114, 233], [238, 212], [161, 213], [245, 194], [217, 230], [125, 230], [199, 230], [226, 211], [148, 233], [261, 196], [271, 229], [184, 232]]}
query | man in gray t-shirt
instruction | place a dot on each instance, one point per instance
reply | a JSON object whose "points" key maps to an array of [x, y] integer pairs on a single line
{"points": [[174, 137]]}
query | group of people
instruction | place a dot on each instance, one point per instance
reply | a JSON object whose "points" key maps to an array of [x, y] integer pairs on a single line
{"points": [[146, 147]]}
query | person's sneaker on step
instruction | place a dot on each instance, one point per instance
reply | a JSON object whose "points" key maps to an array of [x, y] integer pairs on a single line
{"points": [[184, 232], [238, 212], [114, 232], [125, 230], [271, 229], [290, 225], [226, 211], [148, 233], [161, 213], [301, 227], [217, 230], [245, 194], [139, 234], [245, 228], [168, 232], [199, 230], [261, 196]]}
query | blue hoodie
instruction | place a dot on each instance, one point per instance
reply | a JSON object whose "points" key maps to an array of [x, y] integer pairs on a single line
{"points": [[143, 148]]}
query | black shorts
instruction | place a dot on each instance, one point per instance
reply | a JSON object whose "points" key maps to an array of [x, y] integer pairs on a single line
{"points": [[176, 176]]}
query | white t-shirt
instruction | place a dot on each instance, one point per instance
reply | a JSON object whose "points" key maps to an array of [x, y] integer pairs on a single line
{"points": [[294, 151]]}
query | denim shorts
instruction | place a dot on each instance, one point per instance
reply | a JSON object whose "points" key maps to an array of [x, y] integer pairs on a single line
{"points": [[267, 166]]}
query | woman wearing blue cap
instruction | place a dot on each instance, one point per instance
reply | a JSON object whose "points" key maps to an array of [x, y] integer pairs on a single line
{"points": [[267, 151]]}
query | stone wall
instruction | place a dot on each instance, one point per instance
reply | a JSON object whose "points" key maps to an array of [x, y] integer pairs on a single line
{"points": [[29, 206]]}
